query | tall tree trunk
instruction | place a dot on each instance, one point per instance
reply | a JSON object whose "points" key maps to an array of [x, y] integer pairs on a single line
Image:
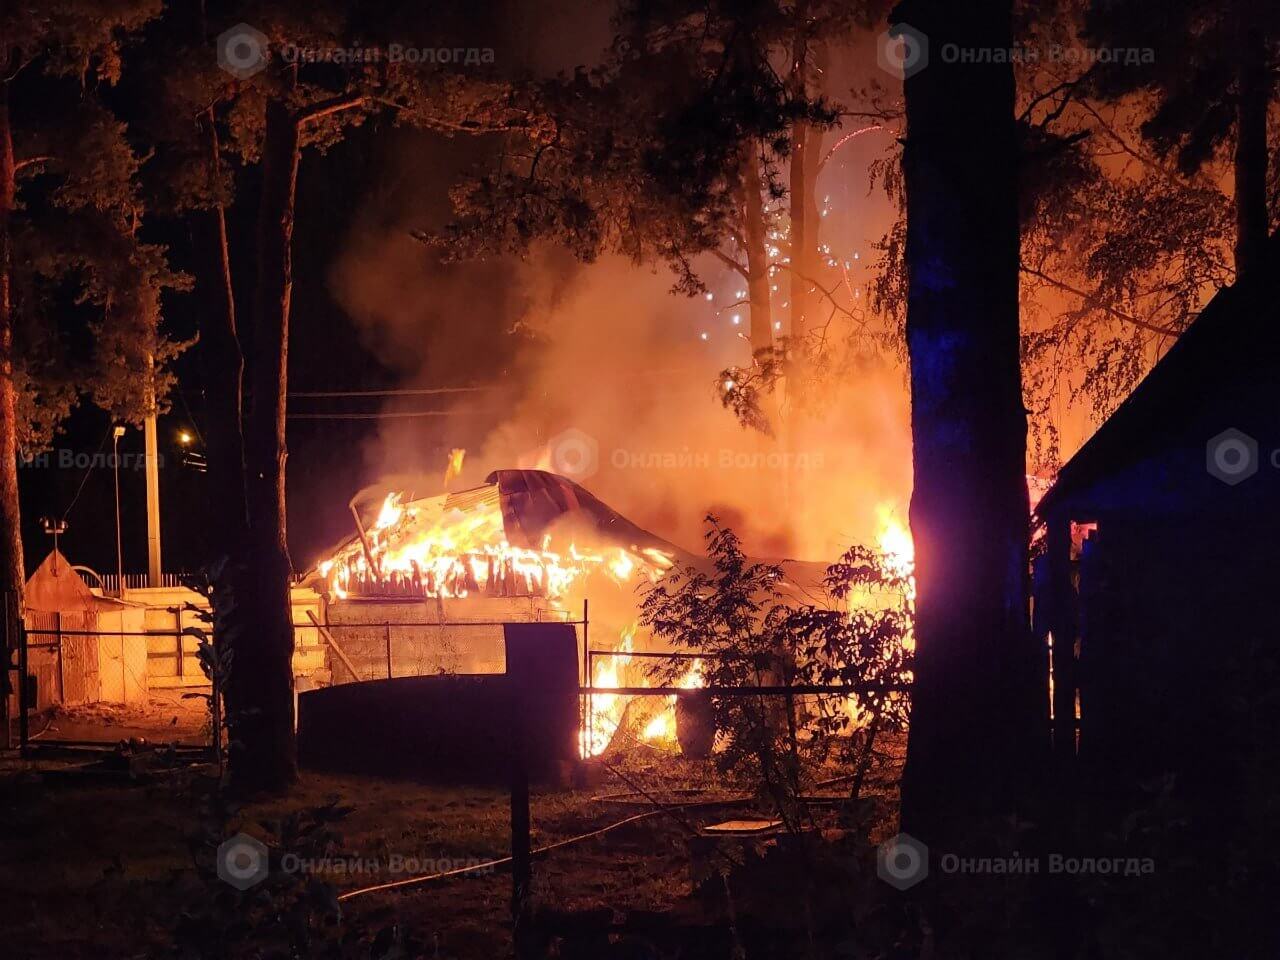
{"points": [[260, 689], [800, 181], [753, 235], [1251, 144], [222, 361], [12, 572], [973, 703]]}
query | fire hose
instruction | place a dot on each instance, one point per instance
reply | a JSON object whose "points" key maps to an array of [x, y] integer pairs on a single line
{"points": [[539, 851]]}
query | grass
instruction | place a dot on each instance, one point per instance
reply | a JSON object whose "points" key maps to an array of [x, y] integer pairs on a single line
{"points": [[98, 868]]}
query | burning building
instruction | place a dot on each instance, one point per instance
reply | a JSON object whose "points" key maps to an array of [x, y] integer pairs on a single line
{"points": [[431, 587], [434, 588]]}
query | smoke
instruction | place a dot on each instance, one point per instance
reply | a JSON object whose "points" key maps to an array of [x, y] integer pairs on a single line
{"points": [[598, 372]]}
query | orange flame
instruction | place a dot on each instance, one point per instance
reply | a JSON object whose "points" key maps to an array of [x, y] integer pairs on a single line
{"points": [[464, 553]]}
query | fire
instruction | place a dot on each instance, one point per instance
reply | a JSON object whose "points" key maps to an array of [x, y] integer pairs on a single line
{"points": [[663, 726], [418, 548], [454, 468], [607, 708], [390, 513], [897, 549]]}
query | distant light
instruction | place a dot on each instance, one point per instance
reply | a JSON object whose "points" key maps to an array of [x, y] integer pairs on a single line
{"points": [[737, 319], [704, 336], [729, 385], [710, 295], [184, 438], [777, 324]]}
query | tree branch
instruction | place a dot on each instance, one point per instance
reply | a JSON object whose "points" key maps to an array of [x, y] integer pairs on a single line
{"points": [[732, 263], [30, 161], [325, 108], [1093, 300]]}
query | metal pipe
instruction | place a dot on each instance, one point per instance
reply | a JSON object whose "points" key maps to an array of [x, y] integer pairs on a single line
{"points": [[588, 703]]}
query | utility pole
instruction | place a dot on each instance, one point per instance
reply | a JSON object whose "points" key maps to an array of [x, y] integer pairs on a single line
{"points": [[116, 433], [152, 460]]}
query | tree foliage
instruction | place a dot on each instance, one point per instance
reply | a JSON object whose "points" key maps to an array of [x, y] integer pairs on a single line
{"points": [[78, 254], [753, 629]]}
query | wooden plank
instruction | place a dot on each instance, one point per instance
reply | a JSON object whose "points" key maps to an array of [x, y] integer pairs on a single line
{"points": [[742, 828], [324, 632]]}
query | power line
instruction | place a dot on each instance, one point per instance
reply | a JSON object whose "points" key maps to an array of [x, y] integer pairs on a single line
{"points": [[389, 415], [88, 470], [402, 392]]}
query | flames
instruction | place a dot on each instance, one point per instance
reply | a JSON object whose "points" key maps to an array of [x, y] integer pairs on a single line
{"points": [[663, 726], [421, 549], [425, 548], [897, 560], [898, 555], [607, 709]]}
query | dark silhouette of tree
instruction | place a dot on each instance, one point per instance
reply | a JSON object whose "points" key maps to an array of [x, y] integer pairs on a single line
{"points": [[70, 220], [974, 708], [1211, 79], [303, 93]]}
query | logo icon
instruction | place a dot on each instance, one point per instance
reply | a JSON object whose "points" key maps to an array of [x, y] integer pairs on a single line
{"points": [[573, 454], [242, 861], [902, 861], [242, 51], [1232, 456], [902, 50]]}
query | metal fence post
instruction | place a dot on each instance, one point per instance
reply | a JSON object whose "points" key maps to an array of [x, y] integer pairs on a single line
{"points": [[23, 723], [7, 650], [387, 626], [521, 855], [215, 714], [62, 673], [587, 681]]}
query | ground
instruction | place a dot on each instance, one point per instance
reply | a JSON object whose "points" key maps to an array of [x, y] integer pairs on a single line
{"points": [[165, 717], [104, 863]]}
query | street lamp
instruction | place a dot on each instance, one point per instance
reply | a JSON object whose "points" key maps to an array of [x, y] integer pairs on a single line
{"points": [[54, 528], [116, 433]]}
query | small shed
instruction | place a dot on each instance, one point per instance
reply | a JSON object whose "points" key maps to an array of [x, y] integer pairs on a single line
{"points": [[1158, 582], [81, 648]]}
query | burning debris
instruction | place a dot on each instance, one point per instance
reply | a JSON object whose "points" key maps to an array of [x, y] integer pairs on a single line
{"points": [[458, 545]]}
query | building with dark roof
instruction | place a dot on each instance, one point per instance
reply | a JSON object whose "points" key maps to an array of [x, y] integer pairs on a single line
{"points": [[1160, 572]]}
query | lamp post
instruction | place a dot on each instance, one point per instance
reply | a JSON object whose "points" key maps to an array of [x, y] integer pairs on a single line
{"points": [[54, 528], [116, 434]]}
